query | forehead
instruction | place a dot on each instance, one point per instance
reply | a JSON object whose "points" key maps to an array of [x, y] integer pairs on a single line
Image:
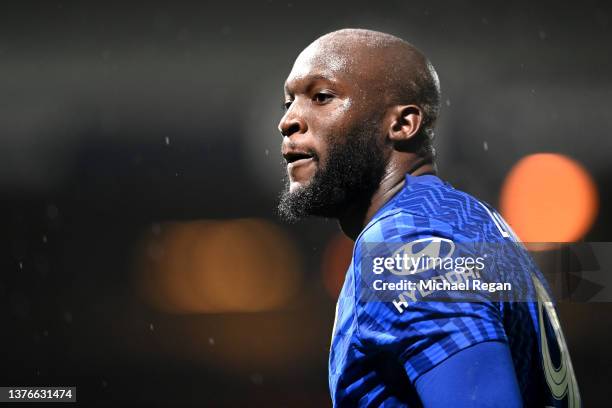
{"points": [[321, 61]]}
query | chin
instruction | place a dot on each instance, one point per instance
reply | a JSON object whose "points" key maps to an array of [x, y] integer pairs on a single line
{"points": [[297, 185]]}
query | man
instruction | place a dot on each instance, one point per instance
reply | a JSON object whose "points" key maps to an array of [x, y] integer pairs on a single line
{"points": [[357, 138]]}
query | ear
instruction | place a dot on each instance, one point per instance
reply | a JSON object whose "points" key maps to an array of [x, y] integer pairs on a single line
{"points": [[405, 122]]}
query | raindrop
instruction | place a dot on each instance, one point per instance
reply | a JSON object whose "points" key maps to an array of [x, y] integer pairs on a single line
{"points": [[211, 341], [167, 139], [485, 146], [151, 327], [447, 102]]}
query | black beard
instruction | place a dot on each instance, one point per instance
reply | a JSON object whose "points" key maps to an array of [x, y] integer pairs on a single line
{"points": [[350, 175]]}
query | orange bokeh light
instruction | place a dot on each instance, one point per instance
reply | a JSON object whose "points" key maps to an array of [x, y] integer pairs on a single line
{"points": [[549, 197], [243, 265]]}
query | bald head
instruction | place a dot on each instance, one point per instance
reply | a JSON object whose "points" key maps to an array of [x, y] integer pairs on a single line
{"points": [[386, 69]]}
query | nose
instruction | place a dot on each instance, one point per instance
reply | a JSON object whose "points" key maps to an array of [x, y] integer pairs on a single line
{"points": [[292, 123]]}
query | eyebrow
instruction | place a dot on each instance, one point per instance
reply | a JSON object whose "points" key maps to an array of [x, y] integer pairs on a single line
{"points": [[309, 80]]}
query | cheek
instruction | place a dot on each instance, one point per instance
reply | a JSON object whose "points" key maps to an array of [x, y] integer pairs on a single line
{"points": [[344, 107], [333, 122], [331, 126], [342, 113]]}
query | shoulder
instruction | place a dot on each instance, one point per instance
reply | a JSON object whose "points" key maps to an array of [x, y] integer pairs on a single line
{"points": [[440, 200], [441, 204], [399, 224]]}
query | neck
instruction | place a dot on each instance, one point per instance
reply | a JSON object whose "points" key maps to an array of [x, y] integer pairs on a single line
{"points": [[356, 217]]}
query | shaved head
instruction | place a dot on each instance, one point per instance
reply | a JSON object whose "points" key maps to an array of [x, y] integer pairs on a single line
{"points": [[387, 66], [359, 105]]}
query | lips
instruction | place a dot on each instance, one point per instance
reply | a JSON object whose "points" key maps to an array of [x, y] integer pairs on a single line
{"points": [[297, 158]]}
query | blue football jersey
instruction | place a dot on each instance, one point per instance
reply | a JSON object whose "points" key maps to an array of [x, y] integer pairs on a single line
{"points": [[380, 348]]}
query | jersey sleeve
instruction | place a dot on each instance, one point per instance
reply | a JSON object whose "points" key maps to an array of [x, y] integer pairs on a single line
{"points": [[421, 333], [483, 373]]}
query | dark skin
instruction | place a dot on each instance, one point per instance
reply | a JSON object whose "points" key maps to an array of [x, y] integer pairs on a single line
{"points": [[336, 83]]}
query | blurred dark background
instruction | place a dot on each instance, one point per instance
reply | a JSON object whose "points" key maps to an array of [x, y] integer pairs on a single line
{"points": [[142, 259]]}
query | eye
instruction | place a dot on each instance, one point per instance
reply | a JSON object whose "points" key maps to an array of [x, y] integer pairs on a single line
{"points": [[286, 105], [321, 97]]}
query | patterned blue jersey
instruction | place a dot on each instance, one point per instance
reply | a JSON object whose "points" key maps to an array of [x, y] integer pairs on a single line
{"points": [[380, 348]]}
